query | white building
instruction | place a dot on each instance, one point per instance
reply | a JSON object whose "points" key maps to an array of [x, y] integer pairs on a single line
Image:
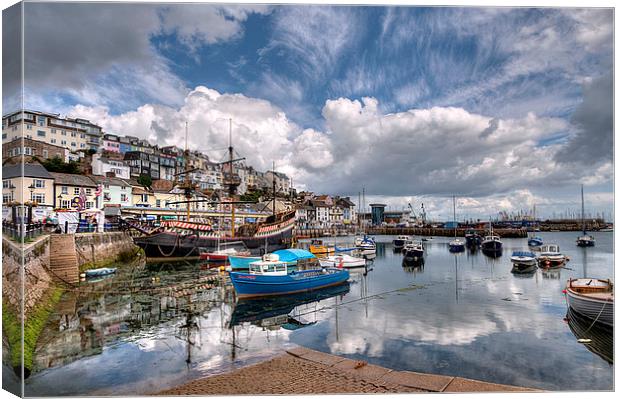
{"points": [[102, 165], [115, 191]]}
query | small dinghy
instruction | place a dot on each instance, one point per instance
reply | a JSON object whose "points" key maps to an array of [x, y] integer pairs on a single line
{"points": [[592, 298], [342, 260], [104, 271], [523, 262]]}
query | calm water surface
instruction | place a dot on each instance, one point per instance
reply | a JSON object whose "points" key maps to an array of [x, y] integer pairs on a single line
{"points": [[159, 325]]}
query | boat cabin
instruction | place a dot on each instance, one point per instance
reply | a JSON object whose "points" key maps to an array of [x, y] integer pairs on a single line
{"points": [[269, 265], [550, 248], [591, 285], [491, 238]]}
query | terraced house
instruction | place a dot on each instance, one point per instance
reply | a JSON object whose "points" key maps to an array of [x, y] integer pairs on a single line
{"points": [[68, 191]]}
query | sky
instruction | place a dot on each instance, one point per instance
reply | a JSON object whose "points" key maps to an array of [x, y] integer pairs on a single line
{"points": [[504, 108]]}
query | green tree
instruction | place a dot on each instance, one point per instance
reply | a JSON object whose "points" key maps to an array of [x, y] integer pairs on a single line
{"points": [[145, 180], [56, 164]]}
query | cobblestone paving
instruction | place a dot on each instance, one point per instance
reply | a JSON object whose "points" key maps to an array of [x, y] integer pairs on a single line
{"points": [[285, 374]]}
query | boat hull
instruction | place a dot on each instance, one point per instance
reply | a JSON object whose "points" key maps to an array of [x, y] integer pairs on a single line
{"points": [[170, 244], [399, 243], [413, 254], [457, 247], [595, 309], [549, 261], [492, 248], [585, 243], [255, 285]]}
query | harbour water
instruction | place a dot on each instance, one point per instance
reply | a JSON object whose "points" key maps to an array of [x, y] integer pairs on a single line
{"points": [[160, 325]]}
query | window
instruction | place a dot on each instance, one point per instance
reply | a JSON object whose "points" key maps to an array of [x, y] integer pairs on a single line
{"points": [[53, 131], [28, 127], [27, 150], [65, 204], [107, 197], [64, 190], [83, 136], [53, 141], [73, 134], [40, 133], [41, 120], [44, 153], [38, 197], [89, 191], [82, 145], [39, 183], [63, 142], [123, 188], [6, 198], [3, 136], [89, 204], [63, 132], [123, 197], [6, 183], [144, 197], [34, 151], [106, 186], [76, 191]]}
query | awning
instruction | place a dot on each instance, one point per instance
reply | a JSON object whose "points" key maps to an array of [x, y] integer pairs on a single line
{"points": [[293, 254]]}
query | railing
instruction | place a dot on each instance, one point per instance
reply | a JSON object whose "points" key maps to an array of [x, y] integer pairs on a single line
{"points": [[27, 231]]}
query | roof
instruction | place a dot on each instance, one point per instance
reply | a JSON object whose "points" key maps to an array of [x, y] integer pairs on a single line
{"points": [[73, 180], [30, 170], [114, 181], [293, 254], [346, 201]]}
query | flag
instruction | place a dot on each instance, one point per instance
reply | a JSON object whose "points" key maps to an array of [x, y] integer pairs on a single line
{"points": [[82, 200], [98, 191]]}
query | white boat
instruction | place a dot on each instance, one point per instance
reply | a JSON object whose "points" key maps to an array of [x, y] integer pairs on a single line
{"points": [[550, 256], [592, 298], [400, 241], [413, 249], [523, 262], [366, 245], [342, 260], [523, 258]]}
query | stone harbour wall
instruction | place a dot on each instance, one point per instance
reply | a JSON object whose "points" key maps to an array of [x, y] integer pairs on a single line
{"points": [[98, 248], [37, 280]]}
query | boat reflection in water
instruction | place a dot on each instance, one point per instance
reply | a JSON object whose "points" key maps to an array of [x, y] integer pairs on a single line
{"points": [[413, 264], [596, 337], [275, 311]]}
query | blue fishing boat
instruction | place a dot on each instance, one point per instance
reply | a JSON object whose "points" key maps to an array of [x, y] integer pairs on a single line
{"points": [[535, 241], [270, 277], [291, 256], [104, 271]]}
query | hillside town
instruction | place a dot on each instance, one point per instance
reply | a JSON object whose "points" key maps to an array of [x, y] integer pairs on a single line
{"points": [[71, 164]]}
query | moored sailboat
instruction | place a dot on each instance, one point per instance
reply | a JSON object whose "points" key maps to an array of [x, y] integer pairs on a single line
{"points": [[584, 240]]}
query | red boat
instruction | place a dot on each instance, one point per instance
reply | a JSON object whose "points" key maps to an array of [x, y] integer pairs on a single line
{"points": [[236, 248]]}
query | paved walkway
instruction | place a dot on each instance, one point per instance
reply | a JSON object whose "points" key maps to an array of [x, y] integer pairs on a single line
{"points": [[305, 371]]}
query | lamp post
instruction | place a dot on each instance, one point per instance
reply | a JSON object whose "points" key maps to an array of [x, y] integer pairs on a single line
{"points": [[31, 187]]}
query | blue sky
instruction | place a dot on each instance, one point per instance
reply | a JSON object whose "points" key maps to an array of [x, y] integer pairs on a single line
{"points": [[484, 103]]}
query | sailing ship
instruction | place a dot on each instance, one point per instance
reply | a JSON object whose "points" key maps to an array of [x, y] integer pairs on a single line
{"points": [[182, 239], [585, 240]]}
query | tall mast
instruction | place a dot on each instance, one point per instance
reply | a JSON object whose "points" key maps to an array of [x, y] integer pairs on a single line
{"points": [[454, 213], [364, 206], [188, 192], [230, 164], [273, 187], [583, 220]]}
